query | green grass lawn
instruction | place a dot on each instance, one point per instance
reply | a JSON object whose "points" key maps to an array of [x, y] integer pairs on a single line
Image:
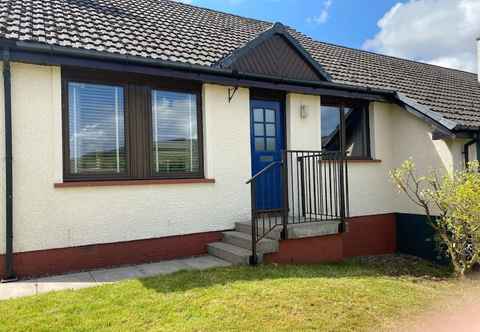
{"points": [[351, 296]]}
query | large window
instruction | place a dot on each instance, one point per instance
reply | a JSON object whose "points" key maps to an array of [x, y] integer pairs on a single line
{"points": [[175, 134], [96, 129], [354, 126], [130, 128]]}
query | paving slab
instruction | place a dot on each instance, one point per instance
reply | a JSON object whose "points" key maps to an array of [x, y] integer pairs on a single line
{"points": [[103, 276], [67, 281], [205, 262], [116, 274], [18, 289], [165, 267]]}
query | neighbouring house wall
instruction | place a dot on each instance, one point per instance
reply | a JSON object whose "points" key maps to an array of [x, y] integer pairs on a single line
{"points": [[412, 138], [397, 135], [46, 217], [472, 152]]}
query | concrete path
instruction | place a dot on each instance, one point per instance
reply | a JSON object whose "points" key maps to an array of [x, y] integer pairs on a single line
{"points": [[100, 277]]}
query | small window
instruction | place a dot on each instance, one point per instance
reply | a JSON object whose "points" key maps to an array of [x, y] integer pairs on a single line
{"points": [[175, 133], [355, 126], [96, 129]]}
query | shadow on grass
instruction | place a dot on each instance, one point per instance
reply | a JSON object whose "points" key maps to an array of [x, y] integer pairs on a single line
{"points": [[368, 267]]}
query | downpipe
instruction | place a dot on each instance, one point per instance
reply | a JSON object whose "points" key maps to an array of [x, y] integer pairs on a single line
{"points": [[9, 268]]}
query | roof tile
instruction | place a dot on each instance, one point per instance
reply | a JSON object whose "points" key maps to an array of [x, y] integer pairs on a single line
{"points": [[172, 31]]}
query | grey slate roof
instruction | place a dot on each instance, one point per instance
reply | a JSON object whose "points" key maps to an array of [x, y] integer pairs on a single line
{"points": [[176, 32]]}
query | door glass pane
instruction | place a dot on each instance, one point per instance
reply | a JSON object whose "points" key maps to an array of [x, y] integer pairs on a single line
{"points": [[269, 115], [258, 128], [258, 115], [259, 144], [174, 128], [270, 129], [270, 144], [96, 129]]}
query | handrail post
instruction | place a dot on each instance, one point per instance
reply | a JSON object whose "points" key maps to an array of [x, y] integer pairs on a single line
{"points": [[302, 185], [285, 194], [253, 258], [341, 164]]}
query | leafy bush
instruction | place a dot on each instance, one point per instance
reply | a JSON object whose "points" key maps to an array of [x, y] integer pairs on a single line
{"points": [[452, 205]]}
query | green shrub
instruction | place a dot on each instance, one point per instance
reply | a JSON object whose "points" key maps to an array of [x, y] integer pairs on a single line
{"points": [[452, 205]]}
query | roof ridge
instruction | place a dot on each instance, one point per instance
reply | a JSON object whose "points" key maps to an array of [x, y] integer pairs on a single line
{"points": [[384, 55], [185, 4]]}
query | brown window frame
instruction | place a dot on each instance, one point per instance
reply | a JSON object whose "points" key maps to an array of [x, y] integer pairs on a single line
{"points": [[356, 105], [137, 91]]}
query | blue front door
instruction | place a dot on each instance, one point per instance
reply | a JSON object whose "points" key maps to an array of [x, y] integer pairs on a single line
{"points": [[268, 141]]}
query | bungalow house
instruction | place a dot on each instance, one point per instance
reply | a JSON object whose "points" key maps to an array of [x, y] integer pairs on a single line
{"points": [[135, 131]]}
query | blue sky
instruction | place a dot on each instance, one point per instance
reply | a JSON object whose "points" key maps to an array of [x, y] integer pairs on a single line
{"points": [[348, 22], [440, 32]]}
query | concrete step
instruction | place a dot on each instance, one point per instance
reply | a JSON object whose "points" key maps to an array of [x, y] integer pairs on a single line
{"points": [[231, 253], [297, 229], [244, 240], [246, 227]]}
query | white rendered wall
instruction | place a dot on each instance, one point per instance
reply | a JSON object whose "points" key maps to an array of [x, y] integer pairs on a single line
{"points": [[45, 217], [397, 136], [369, 187], [412, 138], [303, 133]]}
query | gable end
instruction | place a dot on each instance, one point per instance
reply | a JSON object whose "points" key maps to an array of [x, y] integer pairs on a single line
{"points": [[275, 53]]}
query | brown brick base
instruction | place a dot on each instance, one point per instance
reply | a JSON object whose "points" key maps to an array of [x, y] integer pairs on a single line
{"points": [[370, 235], [367, 235], [57, 261], [308, 250]]}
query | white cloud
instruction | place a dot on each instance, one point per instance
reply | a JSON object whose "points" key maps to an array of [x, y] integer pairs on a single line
{"points": [[441, 32], [323, 17]]}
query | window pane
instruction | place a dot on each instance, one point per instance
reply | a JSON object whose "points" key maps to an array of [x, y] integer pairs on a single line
{"points": [[259, 144], [96, 128], [355, 130], [258, 115], [270, 144], [270, 129], [269, 116], [175, 137], [259, 131], [355, 133], [330, 118]]}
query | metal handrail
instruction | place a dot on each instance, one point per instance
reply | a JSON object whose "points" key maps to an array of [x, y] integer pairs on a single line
{"points": [[312, 154], [263, 171], [314, 189], [262, 214]]}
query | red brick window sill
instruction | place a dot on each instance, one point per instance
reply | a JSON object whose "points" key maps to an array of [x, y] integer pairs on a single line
{"points": [[130, 183]]}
